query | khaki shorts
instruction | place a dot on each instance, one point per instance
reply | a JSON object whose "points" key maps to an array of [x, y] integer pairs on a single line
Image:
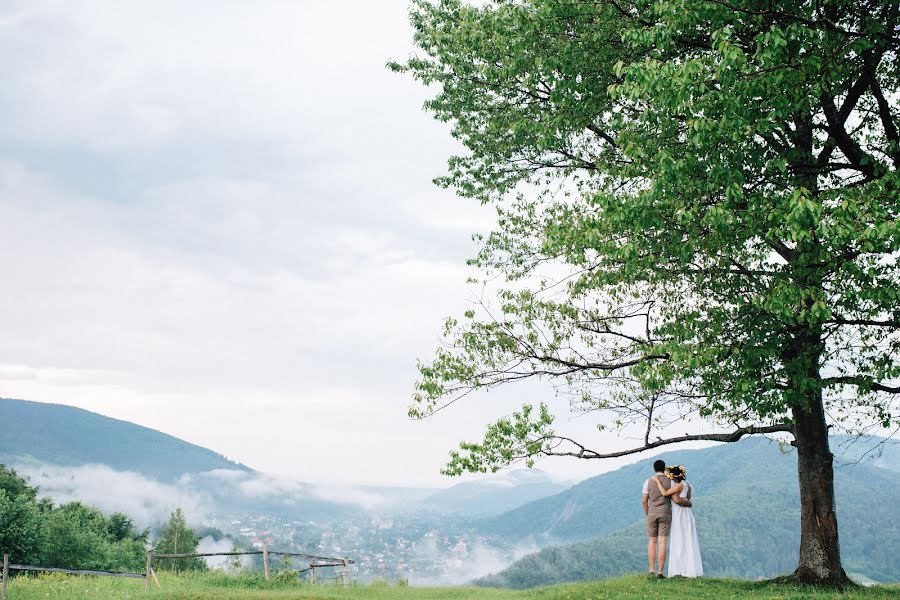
{"points": [[658, 524]]}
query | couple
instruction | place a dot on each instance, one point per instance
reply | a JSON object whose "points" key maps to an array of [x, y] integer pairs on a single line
{"points": [[667, 485]]}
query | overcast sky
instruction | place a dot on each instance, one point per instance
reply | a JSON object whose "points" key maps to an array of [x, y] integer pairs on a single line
{"points": [[217, 220]]}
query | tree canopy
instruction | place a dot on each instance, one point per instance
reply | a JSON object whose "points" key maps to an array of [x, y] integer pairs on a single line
{"points": [[698, 209], [177, 538], [707, 207], [73, 535]]}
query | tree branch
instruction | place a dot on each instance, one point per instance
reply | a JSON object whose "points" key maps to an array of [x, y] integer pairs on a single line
{"points": [[884, 110], [603, 135], [866, 322], [861, 382], [862, 161], [733, 436]]}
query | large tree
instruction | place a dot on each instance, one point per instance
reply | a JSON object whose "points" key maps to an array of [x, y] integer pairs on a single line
{"points": [[698, 207]]}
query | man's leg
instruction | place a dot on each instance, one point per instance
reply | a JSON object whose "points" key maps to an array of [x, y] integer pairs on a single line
{"points": [[663, 542], [652, 530]]}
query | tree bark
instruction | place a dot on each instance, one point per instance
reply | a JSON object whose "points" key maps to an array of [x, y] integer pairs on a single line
{"points": [[820, 551]]}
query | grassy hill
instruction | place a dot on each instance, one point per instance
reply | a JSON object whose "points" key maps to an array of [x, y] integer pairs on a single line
{"points": [[68, 436], [221, 587], [747, 511]]}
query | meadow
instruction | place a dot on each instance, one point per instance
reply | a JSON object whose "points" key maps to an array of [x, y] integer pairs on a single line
{"points": [[213, 586]]}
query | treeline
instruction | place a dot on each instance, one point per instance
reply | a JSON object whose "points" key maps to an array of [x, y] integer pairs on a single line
{"points": [[746, 532], [35, 531]]}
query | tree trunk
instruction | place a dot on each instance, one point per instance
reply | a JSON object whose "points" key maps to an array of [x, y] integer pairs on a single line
{"points": [[820, 552]]}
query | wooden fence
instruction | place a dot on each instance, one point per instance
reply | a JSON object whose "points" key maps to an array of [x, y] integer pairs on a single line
{"points": [[315, 562], [8, 567]]}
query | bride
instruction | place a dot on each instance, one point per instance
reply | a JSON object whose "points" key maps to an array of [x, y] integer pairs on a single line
{"points": [[684, 549]]}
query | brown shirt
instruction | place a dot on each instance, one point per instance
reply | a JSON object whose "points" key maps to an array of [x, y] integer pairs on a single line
{"points": [[658, 503]]}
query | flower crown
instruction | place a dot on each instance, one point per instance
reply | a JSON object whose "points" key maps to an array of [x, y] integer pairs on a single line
{"points": [[681, 471]]}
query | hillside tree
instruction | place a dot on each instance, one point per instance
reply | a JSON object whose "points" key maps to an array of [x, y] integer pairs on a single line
{"points": [[697, 221], [120, 527], [21, 532], [177, 538], [74, 537], [15, 485]]}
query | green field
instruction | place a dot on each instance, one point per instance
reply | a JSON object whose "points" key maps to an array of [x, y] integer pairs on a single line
{"points": [[220, 587]]}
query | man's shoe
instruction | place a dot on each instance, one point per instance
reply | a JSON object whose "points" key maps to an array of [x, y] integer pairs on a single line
{"points": [[660, 576]]}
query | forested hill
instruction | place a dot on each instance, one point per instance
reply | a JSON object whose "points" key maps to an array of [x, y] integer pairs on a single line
{"points": [[747, 511], [611, 501], [68, 436]]}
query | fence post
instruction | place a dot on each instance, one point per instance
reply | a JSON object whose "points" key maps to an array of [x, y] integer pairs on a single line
{"points": [[155, 578], [266, 560], [5, 575], [312, 574], [345, 574], [149, 570]]}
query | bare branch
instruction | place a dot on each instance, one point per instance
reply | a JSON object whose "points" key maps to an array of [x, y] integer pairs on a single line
{"points": [[733, 436], [862, 161], [866, 322], [861, 382], [884, 111], [650, 419]]}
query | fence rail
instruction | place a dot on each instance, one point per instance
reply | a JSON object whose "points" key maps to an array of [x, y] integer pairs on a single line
{"points": [[338, 561], [75, 571], [7, 567], [317, 562]]}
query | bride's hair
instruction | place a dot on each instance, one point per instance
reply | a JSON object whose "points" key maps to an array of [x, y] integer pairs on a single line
{"points": [[676, 473]]}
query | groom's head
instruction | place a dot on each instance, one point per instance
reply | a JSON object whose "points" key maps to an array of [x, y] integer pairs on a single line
{"points": [[659, 466]]}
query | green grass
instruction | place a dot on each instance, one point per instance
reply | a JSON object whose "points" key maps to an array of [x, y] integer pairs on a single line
{"points": [[214, 586]]}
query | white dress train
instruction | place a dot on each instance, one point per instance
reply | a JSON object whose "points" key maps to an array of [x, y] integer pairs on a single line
{"points": [[684, 548]]}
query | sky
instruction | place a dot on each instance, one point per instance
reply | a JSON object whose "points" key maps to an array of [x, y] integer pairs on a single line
{"points": [[217, 220]]}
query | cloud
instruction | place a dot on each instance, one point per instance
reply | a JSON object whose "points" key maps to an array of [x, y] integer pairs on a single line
{"points": [[464, 564], [219, 222], [251, 486], [199, 495], [246, 484], [147, 502], [229, 475], [210, 545], [367, 499]]}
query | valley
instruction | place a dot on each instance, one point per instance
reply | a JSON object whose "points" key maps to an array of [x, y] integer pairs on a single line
{"points": [[519, 529]]}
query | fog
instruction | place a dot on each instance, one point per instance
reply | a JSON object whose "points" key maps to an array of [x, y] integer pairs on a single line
{"points": [[210, 544], [146, 501], [149, 502], [478, 561]]}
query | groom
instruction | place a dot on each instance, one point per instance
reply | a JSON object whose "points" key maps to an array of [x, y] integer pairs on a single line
{"points": [[658, 509]]}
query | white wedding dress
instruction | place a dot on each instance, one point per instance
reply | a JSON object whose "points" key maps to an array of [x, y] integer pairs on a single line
{"points": [[684, 548]]}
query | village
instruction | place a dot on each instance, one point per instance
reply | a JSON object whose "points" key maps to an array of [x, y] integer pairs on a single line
{"points": [[387, 548]]}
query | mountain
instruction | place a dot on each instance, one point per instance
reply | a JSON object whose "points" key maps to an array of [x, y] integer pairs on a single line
{"points": [[610, 501], [72, 453], [499, 494], [68, 436], [746, 504], [877, 452], [747, 511]]}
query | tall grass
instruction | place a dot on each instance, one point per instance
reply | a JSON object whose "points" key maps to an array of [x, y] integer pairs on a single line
{"points": [[218, 586]]}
